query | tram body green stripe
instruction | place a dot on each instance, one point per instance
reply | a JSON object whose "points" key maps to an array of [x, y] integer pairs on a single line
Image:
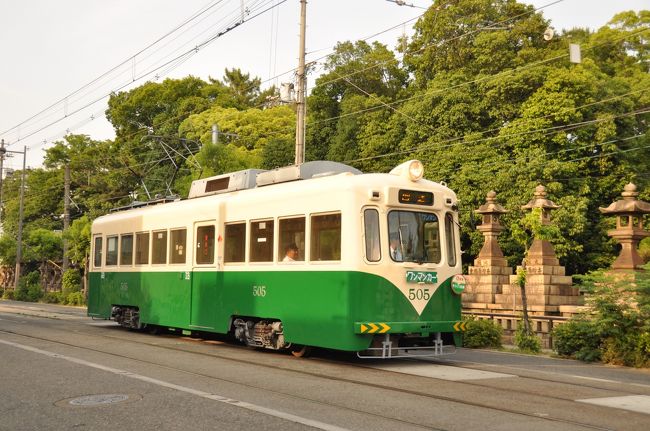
{"points": [[317, 308]]}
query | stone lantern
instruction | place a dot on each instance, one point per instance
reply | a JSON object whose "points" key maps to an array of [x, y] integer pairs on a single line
{"points": [[629, 213], [542, 249], [548, 289], [490, 270], [539, 201], [491, 228]]}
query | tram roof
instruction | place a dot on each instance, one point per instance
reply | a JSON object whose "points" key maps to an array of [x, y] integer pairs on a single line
{"points": [[316, 184]]}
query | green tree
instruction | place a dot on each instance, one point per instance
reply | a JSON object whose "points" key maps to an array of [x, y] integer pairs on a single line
{"points": [[474, 37], [99, 181], [242, 91], [79, 237], [243, 137], [358, 76], [493, 106], [146, 121]]}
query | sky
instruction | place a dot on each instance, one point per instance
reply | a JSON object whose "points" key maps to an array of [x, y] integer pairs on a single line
{"points": [[50, 51]]}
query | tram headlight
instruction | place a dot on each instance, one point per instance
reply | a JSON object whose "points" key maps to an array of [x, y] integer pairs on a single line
{"points": [[416, 170], [413, 170]]}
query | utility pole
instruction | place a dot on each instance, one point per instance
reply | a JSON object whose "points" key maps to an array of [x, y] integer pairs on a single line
{"points": [[2, 159], [66, 215], [300, 96], [19, 241]]}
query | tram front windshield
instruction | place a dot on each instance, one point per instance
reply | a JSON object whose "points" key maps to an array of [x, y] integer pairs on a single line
{"points": [[414, 237]]}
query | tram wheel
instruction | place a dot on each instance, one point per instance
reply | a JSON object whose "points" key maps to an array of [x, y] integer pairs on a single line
{"points": [[300, 351]]}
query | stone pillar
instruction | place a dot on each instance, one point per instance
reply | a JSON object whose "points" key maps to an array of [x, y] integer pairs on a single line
{"points": [[629, 213], [548, 289], [490, 270]]}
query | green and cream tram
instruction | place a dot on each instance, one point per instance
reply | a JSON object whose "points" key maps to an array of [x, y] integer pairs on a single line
{"points": [[311, 255]]}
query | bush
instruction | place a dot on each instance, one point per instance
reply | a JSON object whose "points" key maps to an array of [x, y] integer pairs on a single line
{"points": [[482, 333], [617, 328], [29, 288], [71, 282], [8, 294], [53, 298], [579, 339], [644, 249], [527, 342], [34, 292], [76, 298], [631, 350]]}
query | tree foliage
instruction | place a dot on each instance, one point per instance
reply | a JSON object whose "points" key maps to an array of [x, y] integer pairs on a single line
{"points": [[477, 94], [617, 327]]}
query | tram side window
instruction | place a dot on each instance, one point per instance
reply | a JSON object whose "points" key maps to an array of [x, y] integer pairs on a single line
{"points": [[326, 237], [235, 246], [126, 249], [371, 226], [261, 245], [97, 258], [142, 248], [111, 250], [205, 245], [292, 234], [177, 245], [451, 240], [159, 247]]}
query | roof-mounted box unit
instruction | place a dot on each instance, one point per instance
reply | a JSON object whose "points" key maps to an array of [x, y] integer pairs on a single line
{"points": [[240, 180]]}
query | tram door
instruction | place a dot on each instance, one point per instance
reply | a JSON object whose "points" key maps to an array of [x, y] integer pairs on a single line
{"points": [[204, 276]]}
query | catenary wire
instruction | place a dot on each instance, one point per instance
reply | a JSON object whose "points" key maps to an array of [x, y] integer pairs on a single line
{"points": [[187, 53], [204, 9]]}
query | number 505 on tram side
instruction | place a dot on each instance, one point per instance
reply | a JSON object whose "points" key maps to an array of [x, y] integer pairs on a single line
{"points": [[311, 255]]}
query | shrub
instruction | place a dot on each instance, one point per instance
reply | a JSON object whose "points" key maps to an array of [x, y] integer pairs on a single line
{"points": [[53, 298], [20, 293], [8, 294], [71, 282], [617, 329], [76, 298], [34, 292], [527, 342], [29, 288], [482, 333], [644, 249], [631, 350], [579, 339]]}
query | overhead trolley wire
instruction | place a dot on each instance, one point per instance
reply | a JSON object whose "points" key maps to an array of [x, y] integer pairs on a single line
{"points": [[201, 11], [189, 52], [553, 129], [186, 55], [88, 120], [442, 42]]}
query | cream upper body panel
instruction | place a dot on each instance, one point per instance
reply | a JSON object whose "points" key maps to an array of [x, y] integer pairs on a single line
{"points": [[346, 193]]}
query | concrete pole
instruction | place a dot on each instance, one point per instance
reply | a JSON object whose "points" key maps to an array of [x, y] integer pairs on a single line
{"points": [[300, 99], [19, 241], [66, 215], [3, 151], [215, 134]]}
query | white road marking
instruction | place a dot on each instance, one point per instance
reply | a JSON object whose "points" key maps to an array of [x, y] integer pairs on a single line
{"points": [[443, 372], [552, 373], [199, 393], [594, 379], [635, 403], [102, 323]]}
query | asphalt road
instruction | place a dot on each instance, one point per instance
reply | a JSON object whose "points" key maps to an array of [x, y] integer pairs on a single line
{"points": [[62, 370]]}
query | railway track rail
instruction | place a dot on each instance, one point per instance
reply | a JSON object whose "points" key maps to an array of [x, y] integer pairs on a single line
{"points": [[278, 363]]}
